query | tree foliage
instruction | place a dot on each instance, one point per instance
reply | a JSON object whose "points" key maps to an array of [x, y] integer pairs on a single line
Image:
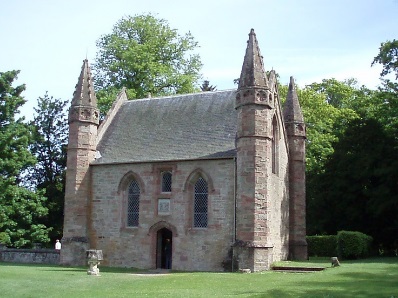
{"points": [[20, 208], [146, 56], [388, 57], [323, 121], [354, 185], [49, 147], [358, 189]]}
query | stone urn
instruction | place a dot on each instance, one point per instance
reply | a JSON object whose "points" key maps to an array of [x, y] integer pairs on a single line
{"points": [[94, 256]]}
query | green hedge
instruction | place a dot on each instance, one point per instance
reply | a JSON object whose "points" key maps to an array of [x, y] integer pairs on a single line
{"points": [[346, 245], [353, 245], [322, 246]]}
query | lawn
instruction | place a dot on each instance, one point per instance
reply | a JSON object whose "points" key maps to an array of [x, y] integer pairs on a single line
{"points": [[361, 278]]}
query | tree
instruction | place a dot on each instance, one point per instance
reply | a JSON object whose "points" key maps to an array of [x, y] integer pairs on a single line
{"points": [[146, 56], [20, 208], [323, 122], [328, 109], [387, 96], [385, 107], [49, 147], [351, 157], [338, 93], [358, 189], [388, 57]]}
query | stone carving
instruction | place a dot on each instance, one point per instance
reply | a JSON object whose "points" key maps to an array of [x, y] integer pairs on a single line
{"points": [[94, 257], [164, 206], [78, 113], [335, 261], [85, 114], [262, 96]]}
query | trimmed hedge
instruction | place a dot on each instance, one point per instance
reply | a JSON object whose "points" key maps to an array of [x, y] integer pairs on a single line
{"points": [[346, 245], [353, 245], [322, 246]]}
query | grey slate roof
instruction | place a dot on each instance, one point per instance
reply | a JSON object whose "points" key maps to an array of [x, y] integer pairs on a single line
{"points": [[182, 127]]}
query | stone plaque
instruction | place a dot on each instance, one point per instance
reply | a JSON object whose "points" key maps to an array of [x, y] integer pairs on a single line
{"points": [[163, 206]]}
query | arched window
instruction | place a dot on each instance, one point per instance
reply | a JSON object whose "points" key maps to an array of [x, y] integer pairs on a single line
{"points": [[166, 182], [133, 204], [274, 147], [200, 204]]}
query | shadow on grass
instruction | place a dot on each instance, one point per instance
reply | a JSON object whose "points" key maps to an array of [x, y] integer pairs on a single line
{"points": [[378, 260], [380, 283], [56, 268], [362, 287], [102, 269]]}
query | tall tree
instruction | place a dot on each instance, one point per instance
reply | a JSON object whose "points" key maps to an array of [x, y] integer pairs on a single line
{"points": [[338, 93], [20, 208], [146, 56], [358, 189], [387, 96], [323, 121], [49, 147], [353, 184]]}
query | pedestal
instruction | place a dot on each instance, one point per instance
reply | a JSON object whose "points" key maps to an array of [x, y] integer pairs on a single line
{"points": [[94, 257]]}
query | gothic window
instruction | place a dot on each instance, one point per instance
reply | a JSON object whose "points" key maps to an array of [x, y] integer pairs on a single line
{"points": [[200, 203], [133, 205], [274, 147], [166, 182]]}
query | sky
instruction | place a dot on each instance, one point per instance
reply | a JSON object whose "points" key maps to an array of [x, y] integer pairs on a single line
{"points": [[311, 40]]}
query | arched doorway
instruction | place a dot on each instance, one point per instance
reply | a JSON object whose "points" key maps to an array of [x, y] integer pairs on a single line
{"points": [[164, 248]]}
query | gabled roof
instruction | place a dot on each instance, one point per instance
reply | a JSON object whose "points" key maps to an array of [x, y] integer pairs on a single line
{"points": [[182, 127]]}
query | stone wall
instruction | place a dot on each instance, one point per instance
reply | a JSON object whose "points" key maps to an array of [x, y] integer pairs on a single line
{"points": [[202, 249], [29, 256], [262, 212]]}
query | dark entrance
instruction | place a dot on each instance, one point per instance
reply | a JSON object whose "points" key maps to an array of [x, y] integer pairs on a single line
{"points": [[164, 248]]}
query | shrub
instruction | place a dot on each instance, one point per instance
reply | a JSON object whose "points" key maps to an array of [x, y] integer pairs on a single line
{"points": [[353, 245], [4, 238], [322, 246]]}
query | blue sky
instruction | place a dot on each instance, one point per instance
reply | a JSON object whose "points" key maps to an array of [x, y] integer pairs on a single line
{"points": [[309, 39]]}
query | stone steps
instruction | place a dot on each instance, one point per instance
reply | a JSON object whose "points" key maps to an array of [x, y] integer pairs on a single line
{"points": [[297, 269]]}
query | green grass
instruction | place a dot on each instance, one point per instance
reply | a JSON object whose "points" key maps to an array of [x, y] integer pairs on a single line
{"points": [[361, 278]]}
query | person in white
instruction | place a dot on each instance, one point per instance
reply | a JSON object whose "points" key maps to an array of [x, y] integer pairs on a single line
{"points": [[57, 244]]}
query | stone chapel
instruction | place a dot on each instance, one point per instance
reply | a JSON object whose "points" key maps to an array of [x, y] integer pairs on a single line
{"points": [[188, 182]]}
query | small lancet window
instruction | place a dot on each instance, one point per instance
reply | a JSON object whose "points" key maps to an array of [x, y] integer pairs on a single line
{"points": [[274, 147], [166, 181], [133, 205], [200, 203]]}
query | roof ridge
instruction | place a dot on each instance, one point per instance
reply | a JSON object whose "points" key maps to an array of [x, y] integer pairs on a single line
{"points": [[182, 95]]}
